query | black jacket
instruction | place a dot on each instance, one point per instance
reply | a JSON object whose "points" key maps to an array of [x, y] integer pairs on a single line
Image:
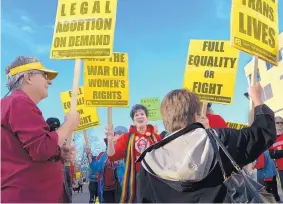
{"points": [[244, 145]]}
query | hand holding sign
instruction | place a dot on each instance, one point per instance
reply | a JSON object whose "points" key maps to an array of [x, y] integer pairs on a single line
{"points": [[73, 120], [109, 133], [204, 121], [255, 93]]}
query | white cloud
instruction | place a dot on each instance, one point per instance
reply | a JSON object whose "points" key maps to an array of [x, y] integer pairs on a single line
{"points": [[27, 33], [27, 28], [25, 18]]}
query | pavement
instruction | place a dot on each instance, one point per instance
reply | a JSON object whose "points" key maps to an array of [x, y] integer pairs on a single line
{"points": [[82, 197]]}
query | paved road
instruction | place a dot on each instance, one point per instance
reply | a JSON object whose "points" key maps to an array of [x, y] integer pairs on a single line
{"points": [[81, 198]]}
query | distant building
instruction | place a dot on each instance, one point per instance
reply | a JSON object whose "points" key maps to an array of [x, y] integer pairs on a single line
{"points": [[271, 79]]}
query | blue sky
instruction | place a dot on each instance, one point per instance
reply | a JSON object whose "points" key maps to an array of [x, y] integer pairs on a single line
{"points": [[155, 34]]}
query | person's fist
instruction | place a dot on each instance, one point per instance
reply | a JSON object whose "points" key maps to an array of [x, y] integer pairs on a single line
{"points": [[73, 120], [109, 133], [255, 93], [204, 121]]}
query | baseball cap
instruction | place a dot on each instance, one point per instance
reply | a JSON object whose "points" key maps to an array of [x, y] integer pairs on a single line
{"points": [[120, 129], [51, 74]]}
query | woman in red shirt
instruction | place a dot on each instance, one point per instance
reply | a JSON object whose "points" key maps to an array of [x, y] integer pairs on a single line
{"points": [[129, 146]]}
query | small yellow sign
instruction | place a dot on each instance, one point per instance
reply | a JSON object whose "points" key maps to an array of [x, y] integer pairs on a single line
{"points": [[78, 175], [153, 107], [237, 126], [84, 29], [254, 28], [211, 70], [106, 81], [88, 115]]}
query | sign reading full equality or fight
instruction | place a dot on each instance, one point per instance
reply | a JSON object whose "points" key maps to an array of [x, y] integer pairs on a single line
{"points": [[84, 29], [89, 116], [254, 28], [153, 106], [106, 81], [211, 70]]}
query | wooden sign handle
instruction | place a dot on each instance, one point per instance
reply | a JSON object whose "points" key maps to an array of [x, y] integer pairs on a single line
{"points": [[204, 109], [76, 80], [109, 118]]}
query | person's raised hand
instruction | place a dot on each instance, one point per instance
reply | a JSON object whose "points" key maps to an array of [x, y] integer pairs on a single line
{"points": [[255, 93], [73, 120]]}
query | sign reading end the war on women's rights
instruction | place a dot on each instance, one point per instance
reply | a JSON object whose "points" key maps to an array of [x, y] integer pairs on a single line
{"points": [[254, 28], [211, 70], [106, 81], [88, 115], [84, 29]]}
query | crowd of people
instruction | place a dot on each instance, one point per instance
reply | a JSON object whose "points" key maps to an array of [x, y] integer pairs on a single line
{"points": [[180, 164]]}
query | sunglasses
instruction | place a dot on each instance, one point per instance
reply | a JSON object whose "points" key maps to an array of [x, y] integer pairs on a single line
{"points": [[279, 122]]}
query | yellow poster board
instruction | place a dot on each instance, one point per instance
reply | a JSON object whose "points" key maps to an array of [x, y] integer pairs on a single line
{"points": [[237, 126], [254, 28], [78, 175], [211, 70], [88, 115], [106, 81], [84, 29], [153, 107]]}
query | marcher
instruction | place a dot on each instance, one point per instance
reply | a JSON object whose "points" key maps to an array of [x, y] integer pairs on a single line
{"points": [[183, 167], [30, 153], [132, 144], [215, 120], [92, 176], [276, 151], [111, 174], [266, 174], [80, 185]]}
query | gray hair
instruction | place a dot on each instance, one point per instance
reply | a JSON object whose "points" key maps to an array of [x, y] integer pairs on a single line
{"points": [[16, 81]]}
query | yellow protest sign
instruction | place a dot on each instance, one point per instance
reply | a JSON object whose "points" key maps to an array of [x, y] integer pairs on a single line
{"points": [[237, 126], [153, 107], [88, 115], [211, 70], [106, 81], [84, 29], [78, 175], [254, 28]]}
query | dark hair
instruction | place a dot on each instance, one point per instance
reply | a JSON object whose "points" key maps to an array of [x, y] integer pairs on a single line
{"points": [[137, 107], [53, 123], [209, 105]]}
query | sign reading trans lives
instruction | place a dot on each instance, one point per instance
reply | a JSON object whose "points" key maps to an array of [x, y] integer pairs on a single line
{"points": [[254, 28], [211, 70], [106, 81], [84, 29]]}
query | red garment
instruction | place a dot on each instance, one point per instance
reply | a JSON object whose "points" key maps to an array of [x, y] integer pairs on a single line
{"points": [[278, 145], [26, 145], [72, 167], [216, 121], [109, 175], [142, 142], [260, 162]]}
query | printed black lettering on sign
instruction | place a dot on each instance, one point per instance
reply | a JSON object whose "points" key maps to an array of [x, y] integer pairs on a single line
{"points": [[107, 95], [253, 26], [211, 61], [81, 111], [85, 120], [84, 8], [207, 88], [107, 83]]}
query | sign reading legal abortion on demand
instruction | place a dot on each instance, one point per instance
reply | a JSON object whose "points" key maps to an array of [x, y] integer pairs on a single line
{"points": [[211, 70], [153, 107], [84, 29], [237, 126], [254, 28], [88, 115], [106, 81]]}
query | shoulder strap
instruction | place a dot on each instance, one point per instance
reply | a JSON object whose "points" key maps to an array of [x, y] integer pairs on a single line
{"points": [[214, 134], [217, 154], [170, 138]]}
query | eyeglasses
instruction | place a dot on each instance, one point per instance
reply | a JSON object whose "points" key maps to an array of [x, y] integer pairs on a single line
{"points": [[279, 122], [44, 74]]}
